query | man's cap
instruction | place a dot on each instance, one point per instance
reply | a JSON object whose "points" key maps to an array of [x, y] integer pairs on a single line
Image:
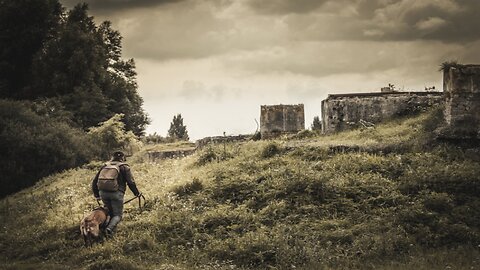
{"points": [[118, 154]]}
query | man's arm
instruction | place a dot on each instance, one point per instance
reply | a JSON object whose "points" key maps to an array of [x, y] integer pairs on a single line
{"points": [[95, 187], [129, 179]]}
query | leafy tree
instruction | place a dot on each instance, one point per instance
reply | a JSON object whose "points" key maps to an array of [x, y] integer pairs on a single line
{"points": [[316, 125], [49, 54], [25, 25], [177, 129], [35, 146], [72, 67], [69, 73], [111, 135]]}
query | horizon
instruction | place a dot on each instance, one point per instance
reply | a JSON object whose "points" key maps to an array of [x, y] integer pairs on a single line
{"points": [[217, 61]]}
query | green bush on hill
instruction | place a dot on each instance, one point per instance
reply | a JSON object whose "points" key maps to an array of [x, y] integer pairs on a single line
{"points": [[111, 135], [34, 146]]}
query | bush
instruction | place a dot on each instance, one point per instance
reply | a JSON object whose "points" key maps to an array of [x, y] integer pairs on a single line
{"points": [[156, 139], [111, 135], [305, 134], [188, 188], [438, 202], [270, 150], [34, 146], [206, 156]]}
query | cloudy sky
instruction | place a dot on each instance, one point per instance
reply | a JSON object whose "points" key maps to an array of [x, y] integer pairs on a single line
{"points": [[217, 61]]}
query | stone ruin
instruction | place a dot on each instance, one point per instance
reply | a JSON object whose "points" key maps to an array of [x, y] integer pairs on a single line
{"points": [[346, 111], [277, 120], [220, 140], [461, 85], [461, 98], [155, 156]]}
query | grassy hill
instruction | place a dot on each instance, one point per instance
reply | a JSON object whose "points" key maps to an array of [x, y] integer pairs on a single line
{"points": [[387, 198]]}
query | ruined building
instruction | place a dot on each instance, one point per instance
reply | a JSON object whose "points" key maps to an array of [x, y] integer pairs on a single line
{"points": [[281, 119], [461, 85], [346, 111]]}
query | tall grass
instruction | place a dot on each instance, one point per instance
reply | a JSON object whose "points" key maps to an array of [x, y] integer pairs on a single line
{"points": [[269, 205]]}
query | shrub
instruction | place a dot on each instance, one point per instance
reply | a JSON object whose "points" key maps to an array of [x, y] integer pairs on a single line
{"points": [[305, 134], [189, 188], [311, 153], [270, 150], [34, 146], [111, 135], [156, 139], [206, 156], [438, 202]]}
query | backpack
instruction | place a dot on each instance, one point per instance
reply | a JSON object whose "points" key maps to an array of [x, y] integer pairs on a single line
{"points": [[108, 177]]}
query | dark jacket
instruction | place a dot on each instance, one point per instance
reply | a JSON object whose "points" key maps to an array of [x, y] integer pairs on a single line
{"points": [[124, 178]]}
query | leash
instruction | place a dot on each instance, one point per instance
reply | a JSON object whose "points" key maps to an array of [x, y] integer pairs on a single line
{"points": [[139, 197]]}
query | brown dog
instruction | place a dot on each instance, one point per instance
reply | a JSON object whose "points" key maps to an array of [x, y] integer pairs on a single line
{"points": [[91, 225]]}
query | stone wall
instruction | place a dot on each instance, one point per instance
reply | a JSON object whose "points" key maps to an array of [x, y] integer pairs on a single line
{"points": [[281, 119], [154, 156], [221, 139], [461, 84], [346, 111]]}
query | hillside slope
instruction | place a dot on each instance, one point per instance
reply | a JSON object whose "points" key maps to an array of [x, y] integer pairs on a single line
{"points": [[387, 198]]}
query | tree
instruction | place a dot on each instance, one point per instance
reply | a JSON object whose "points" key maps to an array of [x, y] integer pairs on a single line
{"points": [[83, 67], [316, 125], [178, 130], [25, 26], [35, 146], [111, 135]]}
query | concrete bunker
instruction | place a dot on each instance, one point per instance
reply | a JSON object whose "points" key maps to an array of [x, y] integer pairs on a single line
{"points": [[281, 119], [461, 85], [346, 111]]}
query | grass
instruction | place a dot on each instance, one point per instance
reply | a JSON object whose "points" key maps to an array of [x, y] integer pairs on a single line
{"points": [[180, 145], [388, 198]]}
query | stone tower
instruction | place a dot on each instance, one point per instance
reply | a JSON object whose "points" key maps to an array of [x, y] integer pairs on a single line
{"points": [[281, 119], [461, 86]]}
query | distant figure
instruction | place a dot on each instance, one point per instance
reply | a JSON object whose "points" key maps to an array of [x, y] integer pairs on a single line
{"points": [[109, 185]]}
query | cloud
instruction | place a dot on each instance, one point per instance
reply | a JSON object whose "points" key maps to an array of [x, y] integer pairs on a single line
{"points": [[285, 6], [430, 24], [322, 59], [111, 6], [443, 20], [313, 38], [194, 30]]}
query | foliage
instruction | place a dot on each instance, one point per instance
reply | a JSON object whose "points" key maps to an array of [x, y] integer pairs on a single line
{"points": [[111, 135], [188, 188], [177, 130], [303, 134], [445, 66], [25, 26], [67, 57], [270, 150], [34, 146], [156, 139], [206, 156], [316, 125]]}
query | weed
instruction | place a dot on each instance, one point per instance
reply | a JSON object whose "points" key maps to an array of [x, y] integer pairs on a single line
{"points": [[188, 188], [271, 150], [207, 156]]}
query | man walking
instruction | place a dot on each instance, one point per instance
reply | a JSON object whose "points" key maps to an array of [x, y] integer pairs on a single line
{"points": [[109, 185]]}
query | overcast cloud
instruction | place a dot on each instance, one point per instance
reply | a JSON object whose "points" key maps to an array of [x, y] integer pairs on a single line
{"points": [[214, 60]]}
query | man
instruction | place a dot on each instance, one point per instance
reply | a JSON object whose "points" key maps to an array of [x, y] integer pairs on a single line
{"points": [[109, 185]]}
